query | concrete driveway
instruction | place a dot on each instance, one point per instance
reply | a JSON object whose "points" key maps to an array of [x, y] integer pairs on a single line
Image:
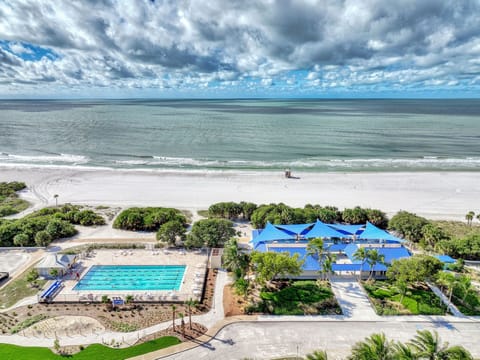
{"points": [[352, 299]]}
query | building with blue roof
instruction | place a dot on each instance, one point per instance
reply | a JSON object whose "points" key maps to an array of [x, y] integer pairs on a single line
{"points": [[339, 239]]}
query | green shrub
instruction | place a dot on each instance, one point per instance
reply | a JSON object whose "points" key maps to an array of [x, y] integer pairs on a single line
{"points": [[299, 298], [43, 238], [408, 225], [10, 203], [55, 221], [147, 219]]}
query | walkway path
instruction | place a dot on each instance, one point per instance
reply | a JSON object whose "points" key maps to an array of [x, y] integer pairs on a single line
{"points": [[352, 299], [453, 309]]}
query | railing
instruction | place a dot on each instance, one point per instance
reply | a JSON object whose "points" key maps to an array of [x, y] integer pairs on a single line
{"points": [[137, 298]]}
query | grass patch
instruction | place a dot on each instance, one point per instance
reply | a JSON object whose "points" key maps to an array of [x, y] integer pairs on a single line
{"points": [[10, 203], [28, 322], [123, 327], [203, 213], [457, 229], [299, 298], [95, 351], [418, 300], [18, 289]]}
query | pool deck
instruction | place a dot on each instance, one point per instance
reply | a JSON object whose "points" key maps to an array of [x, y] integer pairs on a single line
{"points": [[192, 285]]}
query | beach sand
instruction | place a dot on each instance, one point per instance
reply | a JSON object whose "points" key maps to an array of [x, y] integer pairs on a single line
{"points": [[435, 195]]}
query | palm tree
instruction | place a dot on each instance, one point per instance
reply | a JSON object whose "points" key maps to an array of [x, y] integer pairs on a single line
{"points": [[374, 258], [448, 281], [190, 303], [361, 255], [327, 264], [315, 249], [465, 284], [56, 199], [182, 323], [233, 259], [427, 345], [174, 308], [469, 217], [375, 347], [317, 355], [404, 352]]}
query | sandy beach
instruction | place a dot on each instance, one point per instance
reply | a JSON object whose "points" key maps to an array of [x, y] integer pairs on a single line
{"points": [[436, 195]]}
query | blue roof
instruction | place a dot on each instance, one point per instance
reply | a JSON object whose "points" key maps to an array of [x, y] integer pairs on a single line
{"points": [[297, 229], [389, 253], [373, 232], [347, 229], [310, 263], [271, 233], [446, 259], [322, 230]]}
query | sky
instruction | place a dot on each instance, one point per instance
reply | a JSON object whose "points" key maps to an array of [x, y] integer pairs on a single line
{"points": [[239, 49]]}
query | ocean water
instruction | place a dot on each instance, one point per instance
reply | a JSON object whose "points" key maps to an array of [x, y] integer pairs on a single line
{"points": [[305, 135]]}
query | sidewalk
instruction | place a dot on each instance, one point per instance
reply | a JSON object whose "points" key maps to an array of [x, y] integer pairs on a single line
{"points": [[352, 299]]}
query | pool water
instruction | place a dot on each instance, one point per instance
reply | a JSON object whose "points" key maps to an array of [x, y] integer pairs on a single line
{"points": [[132, 277]]}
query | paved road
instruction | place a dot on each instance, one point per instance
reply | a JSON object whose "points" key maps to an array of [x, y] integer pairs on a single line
{"points": [[264, 340]]}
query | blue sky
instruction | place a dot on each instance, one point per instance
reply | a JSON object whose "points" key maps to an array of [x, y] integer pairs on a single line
{"points": [[261, 48]]}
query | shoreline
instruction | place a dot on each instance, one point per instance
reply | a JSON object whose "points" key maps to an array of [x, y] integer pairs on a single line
{"points": [[445, 195]]}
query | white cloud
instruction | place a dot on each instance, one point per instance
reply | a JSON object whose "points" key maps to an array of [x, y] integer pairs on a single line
{"points": [[183, 44]]}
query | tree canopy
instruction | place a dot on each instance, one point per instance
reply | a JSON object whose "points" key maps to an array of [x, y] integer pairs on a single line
{"points": [[170, 231], [271, 265], [231, 210], [408, 225], [415, 269], [210, 233], [284, 214]]}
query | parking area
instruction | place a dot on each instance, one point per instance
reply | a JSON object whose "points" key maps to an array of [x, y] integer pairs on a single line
{"points": [[12, 260]]}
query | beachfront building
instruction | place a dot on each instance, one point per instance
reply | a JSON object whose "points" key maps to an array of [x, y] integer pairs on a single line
{"points": [[60, 262], [339, 239]]}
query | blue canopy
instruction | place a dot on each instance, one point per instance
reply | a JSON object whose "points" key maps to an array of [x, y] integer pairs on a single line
{"points": [[271, 233], [322, 230], [347, 229], [372, 232], [296, 229]]}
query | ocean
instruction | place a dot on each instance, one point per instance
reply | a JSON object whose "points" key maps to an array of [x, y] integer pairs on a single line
{"points": [[188, 135]]}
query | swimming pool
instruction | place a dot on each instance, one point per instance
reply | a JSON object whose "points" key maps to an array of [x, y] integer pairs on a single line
{"points": [[132, 277]]}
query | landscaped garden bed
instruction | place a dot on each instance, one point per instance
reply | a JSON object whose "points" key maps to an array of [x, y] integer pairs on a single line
{"points": [[297, 298], [417, 300]]}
